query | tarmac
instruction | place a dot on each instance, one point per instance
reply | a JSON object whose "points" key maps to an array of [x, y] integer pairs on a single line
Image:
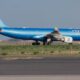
{"points": [[45, 66], [40, 69]]}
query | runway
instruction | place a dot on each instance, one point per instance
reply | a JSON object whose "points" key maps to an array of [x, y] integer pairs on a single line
{"points": [[45, 66], [40, 77]]}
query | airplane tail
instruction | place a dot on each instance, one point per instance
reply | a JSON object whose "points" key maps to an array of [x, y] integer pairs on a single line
{"points": [[2, 24]]}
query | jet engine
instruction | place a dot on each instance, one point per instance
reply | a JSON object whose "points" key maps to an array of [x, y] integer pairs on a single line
{"points": [[54, 36], [57, 36], [67, 39]]}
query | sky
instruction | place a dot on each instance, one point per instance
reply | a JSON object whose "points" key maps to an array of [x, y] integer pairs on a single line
{"points": [[40, 13]]}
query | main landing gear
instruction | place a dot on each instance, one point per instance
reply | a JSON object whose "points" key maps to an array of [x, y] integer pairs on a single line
{"points": [[48, 41], [36, 43]]}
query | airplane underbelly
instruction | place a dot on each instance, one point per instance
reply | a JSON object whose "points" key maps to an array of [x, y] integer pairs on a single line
{"points": [[19, 36], [75, 37]]}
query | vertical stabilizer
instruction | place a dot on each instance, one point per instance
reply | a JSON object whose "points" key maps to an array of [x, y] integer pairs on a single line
{"points": [[2, 24]]}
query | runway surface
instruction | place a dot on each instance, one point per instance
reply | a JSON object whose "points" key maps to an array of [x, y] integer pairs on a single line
{"points": [[40, 77], [46, 66]]}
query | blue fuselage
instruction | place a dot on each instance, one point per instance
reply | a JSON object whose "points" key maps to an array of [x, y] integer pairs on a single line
{"points": [[32, 33]]}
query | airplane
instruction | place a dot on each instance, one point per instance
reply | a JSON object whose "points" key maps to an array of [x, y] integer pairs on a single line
{"points": [[45, 35]]}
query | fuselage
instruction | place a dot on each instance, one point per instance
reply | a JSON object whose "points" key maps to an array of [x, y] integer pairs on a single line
{"points": [[30, 33]]}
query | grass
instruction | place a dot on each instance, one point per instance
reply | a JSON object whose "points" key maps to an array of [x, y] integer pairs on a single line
{"points": [[59, 50]]}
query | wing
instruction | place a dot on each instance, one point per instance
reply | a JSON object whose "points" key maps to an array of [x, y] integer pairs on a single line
{"points": [[55, 36]]}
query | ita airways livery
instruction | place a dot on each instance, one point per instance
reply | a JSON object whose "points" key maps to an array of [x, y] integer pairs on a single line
{"points": [[45, 35]]}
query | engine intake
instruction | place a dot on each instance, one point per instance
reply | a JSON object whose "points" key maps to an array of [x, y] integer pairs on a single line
{"points": [[67, 39]]}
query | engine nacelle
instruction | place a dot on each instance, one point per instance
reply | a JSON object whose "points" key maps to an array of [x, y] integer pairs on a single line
{"points": [[67, 39]]}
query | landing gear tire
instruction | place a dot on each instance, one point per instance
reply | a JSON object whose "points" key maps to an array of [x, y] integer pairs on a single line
{"points": [[35, 43], [44, 43], [47, 42]]}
